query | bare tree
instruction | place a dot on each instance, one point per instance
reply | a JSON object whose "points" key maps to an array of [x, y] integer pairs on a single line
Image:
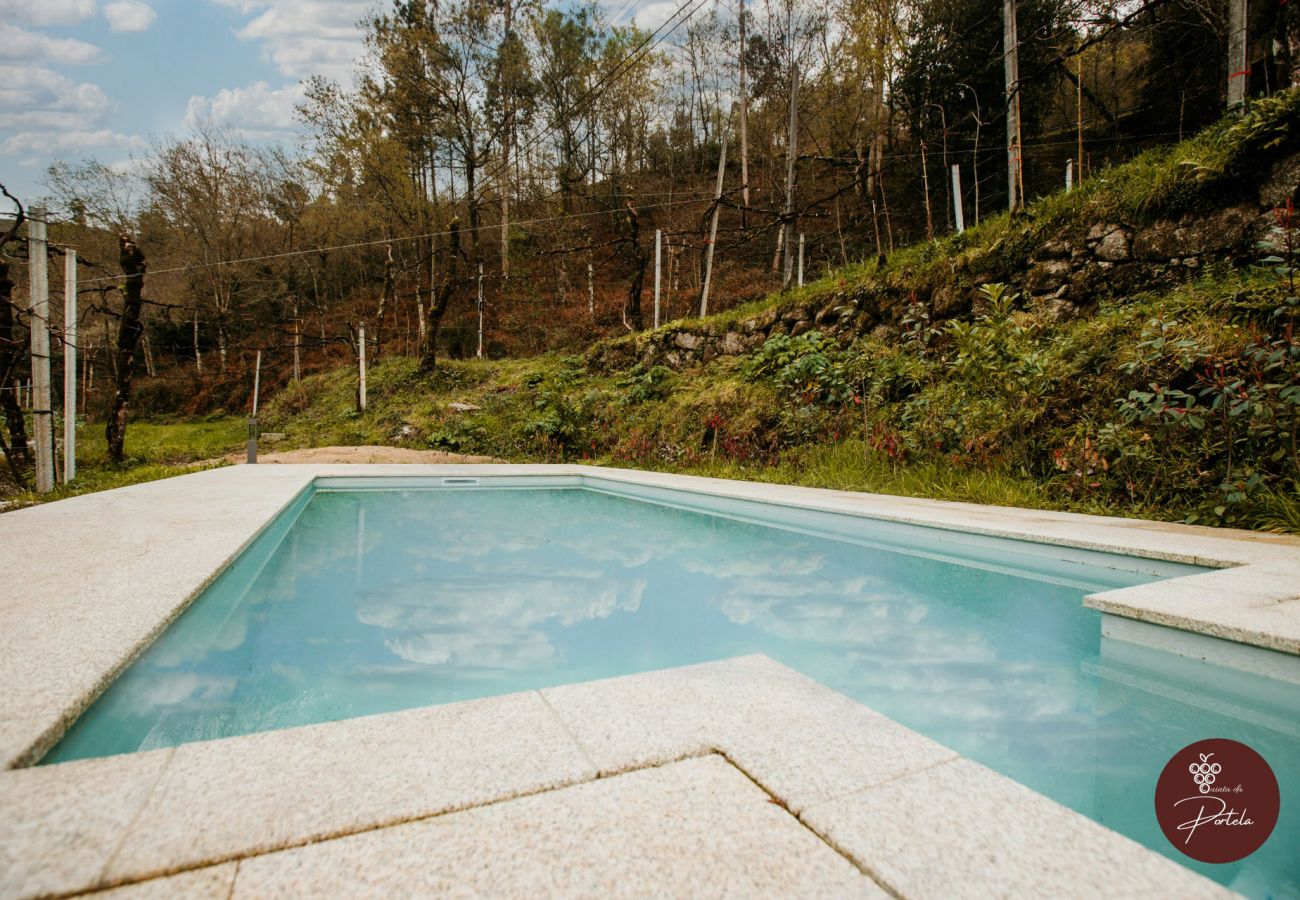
{"points": [[129, 329], [437, 309], [11, 352]]}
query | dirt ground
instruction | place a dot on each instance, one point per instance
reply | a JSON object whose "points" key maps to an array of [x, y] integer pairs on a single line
{"points": [[372, 454]]}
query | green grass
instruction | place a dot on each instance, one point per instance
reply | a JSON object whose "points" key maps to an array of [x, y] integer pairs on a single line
{"points": [[153, 451], [151, 443], [104, 479], [850, 466]]}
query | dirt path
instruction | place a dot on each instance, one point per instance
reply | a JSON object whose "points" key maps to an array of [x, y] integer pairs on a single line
{"points": [[371, 454]]}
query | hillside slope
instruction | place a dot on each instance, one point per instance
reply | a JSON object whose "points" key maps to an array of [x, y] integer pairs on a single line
{"points": [[1127, 348]]}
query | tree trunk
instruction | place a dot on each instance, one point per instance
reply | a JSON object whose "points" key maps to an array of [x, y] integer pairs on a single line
{"points": [[429, 359], [198, 351], [471, 202], [11, 351], [385, 301], [640, 259], [744, 124], [792, 155], [128, 335]]}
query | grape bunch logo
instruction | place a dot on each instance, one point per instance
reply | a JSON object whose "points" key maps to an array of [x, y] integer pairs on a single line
{"points": [[1217, 800], [1204, 772]]}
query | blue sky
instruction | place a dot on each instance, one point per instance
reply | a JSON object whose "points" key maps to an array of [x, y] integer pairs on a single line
{"points": [[100, 78]]}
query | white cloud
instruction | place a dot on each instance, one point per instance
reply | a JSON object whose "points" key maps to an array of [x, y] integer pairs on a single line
{"points": [[30, 46], [47, 12], [50, 114], [36, 97], [484, 621], [51, 143], [650, 16], [257, 110], [129, 15], [305, 37]]}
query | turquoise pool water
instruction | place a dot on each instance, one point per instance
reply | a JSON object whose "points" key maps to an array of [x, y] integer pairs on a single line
{"points": [[366, 601]]}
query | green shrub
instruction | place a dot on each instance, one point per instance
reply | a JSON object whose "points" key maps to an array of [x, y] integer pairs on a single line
{"points": [[809, 368]]}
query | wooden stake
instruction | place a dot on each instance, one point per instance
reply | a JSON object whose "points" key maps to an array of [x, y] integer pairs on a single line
{"points": [[257, 381], [956, 198], [69, 366], [361, 368], [801, 259], [659, 236], [88, 366], [252, 420], [198, 353], [39, 312], [925, 184], [1078, 114], [713, 227], [148, 356], [1238, 67]]}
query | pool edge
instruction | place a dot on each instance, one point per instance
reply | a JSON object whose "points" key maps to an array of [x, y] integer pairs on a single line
{"points": [[71, 604]]}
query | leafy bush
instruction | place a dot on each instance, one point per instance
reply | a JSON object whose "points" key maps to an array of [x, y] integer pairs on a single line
{"points": [[641, 385], [1226, 416], [809, 367]]}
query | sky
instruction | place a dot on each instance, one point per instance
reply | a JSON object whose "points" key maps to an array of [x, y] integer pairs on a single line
{"points": [[99, 79]]}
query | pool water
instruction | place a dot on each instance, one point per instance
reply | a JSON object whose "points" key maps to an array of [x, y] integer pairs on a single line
{"points": [[365, 601]]}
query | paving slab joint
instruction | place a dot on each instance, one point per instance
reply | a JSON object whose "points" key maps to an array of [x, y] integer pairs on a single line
{"points": [[798, 817], [564, 726]]}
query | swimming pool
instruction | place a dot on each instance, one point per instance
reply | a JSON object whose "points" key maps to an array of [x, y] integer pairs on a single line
{"points": [[357, 601]]}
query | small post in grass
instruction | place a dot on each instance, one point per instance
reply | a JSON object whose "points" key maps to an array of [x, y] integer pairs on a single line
{"points": [[1069, 175], [480, 311], [252, 422], [361, 367], [801, 259], [956, 198], [659, 236]]}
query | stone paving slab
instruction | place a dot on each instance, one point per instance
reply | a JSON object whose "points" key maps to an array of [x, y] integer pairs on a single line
{"points": [[696, 827], [803, 741], [211, 883], [60, 824], [1193, 544], [1257, 605], [958, 830], [230, 798]]}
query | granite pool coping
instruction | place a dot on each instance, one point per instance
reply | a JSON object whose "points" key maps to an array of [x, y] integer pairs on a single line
{"points": [[95, 578], [850, 802]]}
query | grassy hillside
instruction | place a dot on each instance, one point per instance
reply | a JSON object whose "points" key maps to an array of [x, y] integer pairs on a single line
{"points": [[1009, 410], [1166, 390], [1065, 357]]}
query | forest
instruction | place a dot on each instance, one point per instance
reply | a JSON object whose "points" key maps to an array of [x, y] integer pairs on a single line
{"points": [[505, 179]]}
